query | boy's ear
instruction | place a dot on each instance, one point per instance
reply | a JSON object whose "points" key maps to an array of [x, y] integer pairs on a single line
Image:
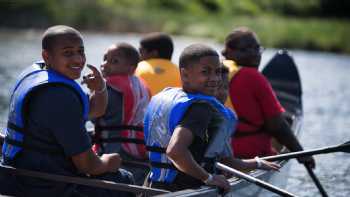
{"points": [[132, 69], [183, 74], [45, 55]]}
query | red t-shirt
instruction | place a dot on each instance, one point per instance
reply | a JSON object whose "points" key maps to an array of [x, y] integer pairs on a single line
{"points": [[254, 100]]}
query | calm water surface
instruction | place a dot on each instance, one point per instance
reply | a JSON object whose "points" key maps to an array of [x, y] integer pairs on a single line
{"points": [[326, 93]]}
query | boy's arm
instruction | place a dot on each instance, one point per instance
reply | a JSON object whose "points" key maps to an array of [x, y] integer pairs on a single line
{"points": [[89, 163], [179, 154], [278, 127], [99, 97]]}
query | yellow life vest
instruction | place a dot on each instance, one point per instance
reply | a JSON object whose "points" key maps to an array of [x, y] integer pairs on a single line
{"points": [[233, 68], [158, 74]]}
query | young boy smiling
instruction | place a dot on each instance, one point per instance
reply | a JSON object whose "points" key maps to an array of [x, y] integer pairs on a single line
{"points": [[182, 127], [46, 125]]}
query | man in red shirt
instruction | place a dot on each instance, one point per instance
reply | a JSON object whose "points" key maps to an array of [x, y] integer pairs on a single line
{"points": [[254, 101]]}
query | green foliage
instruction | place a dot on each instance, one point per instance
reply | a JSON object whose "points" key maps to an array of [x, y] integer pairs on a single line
{"points": [[279, 23]]}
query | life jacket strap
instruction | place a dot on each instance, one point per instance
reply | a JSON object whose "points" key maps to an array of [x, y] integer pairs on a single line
{"points": [[119, 128], [118, 139], [156, 149], [32, 147], [162, 165]]}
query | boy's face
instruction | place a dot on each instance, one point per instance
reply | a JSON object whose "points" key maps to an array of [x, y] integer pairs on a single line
{"points": [[67, 56], [222, 93], [202, 77], [246, 52], [115, 63]]}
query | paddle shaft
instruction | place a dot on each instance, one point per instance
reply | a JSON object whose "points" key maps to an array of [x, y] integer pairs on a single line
{"points": [[316, 181], [251, 179], [339, 148], [84, 181]]}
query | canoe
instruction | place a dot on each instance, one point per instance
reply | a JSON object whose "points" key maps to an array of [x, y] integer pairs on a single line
{"points": [[283, 75]]}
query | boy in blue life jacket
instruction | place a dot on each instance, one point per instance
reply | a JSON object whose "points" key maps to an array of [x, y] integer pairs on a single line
{"points": [[46, 125], [187, 129]]}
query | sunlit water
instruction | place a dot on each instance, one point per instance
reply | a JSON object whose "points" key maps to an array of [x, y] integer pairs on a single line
{"points": [[326, 93]]}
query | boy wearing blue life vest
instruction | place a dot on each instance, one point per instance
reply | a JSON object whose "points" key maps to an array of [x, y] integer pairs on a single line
{"points": [[187, 129], [128, 97], [46, 123]]}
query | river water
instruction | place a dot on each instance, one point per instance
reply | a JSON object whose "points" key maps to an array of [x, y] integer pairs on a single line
{"points": [[326, 94]]}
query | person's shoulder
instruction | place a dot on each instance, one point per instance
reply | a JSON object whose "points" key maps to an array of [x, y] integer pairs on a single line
{"points": [[251, 73], [203, 106], [160, 62], [57, 92], [143, 67]]}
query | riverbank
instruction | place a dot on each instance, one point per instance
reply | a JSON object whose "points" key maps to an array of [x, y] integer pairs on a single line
{"points": [[279, 24]]}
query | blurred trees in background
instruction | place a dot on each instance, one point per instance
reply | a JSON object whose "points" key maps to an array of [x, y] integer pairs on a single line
{"points": [[308, 24], [88, 14]]}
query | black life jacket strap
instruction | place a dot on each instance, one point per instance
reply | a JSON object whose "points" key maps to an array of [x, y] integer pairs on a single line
{"points": [[162, 165], [24, 145], [12, 126], [32, 147], [118, 139], [119, 128], [156, 149]]}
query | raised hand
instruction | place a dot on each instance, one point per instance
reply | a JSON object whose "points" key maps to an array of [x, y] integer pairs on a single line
{"points": [[94, 80]]}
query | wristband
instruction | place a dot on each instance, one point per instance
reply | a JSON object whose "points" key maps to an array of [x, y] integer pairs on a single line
{"points": [[209, 179], [258, 162]]}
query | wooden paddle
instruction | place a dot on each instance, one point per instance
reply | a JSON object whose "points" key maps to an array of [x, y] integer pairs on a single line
{"points": [[253, 180]]}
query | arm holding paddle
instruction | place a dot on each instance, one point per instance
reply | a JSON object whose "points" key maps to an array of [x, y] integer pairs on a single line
{"points": [[99, 97], [182, 158], [250, 164], [278, 128]]}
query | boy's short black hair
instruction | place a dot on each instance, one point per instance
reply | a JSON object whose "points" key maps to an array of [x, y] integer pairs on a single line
{"points": [[129, 52], [51, 34], [161, 42], [239, 32], [193, 53]]}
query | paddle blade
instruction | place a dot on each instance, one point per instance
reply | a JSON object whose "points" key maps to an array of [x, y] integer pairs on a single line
{"points": [[346, 146]]}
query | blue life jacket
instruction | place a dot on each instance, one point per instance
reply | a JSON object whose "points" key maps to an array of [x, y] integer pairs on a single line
{"points": [[32, 78], [163, 114]]}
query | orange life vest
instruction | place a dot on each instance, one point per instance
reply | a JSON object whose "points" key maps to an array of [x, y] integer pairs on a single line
{"points": [[159, 74]]}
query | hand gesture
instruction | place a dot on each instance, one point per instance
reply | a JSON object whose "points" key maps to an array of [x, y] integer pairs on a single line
{"points": [[94, 80]]}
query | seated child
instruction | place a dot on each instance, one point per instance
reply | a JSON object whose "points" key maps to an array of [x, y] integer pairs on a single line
{"points": [[127, 99]]}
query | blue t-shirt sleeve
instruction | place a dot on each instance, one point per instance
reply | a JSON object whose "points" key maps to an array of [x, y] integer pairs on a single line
{"points": [[59, 110]]}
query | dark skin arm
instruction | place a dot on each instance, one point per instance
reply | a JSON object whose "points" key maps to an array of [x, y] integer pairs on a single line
{"points": [[278, 127], [179, 154], [89, 163]]}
